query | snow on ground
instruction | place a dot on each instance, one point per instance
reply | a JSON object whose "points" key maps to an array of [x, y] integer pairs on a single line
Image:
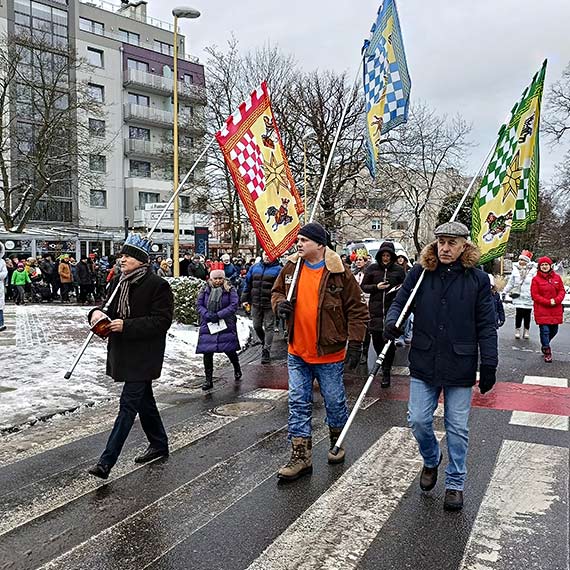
{"points": [[48, 337]]}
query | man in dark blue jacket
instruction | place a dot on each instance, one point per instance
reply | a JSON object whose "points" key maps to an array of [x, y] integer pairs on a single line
{"points": [[454, 328], [257, 293]]}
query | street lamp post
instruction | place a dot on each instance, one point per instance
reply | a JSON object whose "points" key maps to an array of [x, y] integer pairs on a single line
{"points": [[180, 12]]}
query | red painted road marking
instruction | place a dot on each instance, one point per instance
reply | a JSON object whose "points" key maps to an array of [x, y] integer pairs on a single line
{"points": [[508, 396]]}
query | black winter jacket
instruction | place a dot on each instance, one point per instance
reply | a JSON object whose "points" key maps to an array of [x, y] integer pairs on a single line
{"points": [[454, 319], [137, 353], [381, 299]]}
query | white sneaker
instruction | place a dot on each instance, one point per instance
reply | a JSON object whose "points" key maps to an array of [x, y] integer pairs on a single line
{"points": [[526, 334], [517, 333]]}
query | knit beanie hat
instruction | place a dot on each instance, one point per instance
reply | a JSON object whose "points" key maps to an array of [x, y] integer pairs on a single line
{"points": [[526, 255], [544, 259], [315, 232]]}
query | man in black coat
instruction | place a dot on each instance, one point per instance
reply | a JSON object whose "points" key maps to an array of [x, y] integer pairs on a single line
{"points": [[381, 282], [454, 328], [140, 316]]}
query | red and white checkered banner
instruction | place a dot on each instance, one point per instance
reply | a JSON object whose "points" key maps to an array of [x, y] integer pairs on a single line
{"points": [[255, 156]]}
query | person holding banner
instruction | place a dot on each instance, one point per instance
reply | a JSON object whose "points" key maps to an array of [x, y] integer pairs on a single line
{"points": [[326, 310], [454, 329], [137, 320]]}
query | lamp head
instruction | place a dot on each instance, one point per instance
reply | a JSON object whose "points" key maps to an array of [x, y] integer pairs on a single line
{"points": [[185, 12]]}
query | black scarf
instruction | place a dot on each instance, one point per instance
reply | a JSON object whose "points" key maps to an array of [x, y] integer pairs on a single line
{"points": [[125, 282], [215, 298]]}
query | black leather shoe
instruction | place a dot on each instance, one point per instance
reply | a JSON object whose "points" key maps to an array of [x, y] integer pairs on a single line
{"points": [[385, 379], [265, 356], [237, 375], [453, 500], [100, 470], [150, 454], [208, 384], [428, 478]]}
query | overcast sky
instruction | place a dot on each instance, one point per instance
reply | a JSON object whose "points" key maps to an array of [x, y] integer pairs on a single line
{"points": [[472, 57]]}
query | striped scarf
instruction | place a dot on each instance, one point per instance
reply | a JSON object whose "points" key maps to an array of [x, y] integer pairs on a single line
{"points": [[125, 282]]}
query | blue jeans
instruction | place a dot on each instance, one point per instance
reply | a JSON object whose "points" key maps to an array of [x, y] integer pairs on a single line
{"points": [[330, 379], [547, 333], [137, 397], [421, 407], [1, 314]]}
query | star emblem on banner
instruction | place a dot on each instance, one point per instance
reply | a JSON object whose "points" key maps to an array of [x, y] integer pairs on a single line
{"points": [[511, 182], [275, 174]]}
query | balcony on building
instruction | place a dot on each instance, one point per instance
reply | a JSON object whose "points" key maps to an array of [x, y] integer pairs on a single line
{"points": [[151, 115], [160, 85]]}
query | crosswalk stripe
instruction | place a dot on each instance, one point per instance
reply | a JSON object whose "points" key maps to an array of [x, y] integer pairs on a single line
{"points": [[538, 419], [515, 515], [220, 487], [336, 530], [59, 431], [34, 500]]}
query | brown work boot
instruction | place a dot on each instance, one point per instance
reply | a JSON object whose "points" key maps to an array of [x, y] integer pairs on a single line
{"points": [[453, 500], [428, 477], [301, 461], [334, 434]]}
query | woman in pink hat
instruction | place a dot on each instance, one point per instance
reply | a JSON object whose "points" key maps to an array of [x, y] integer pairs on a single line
{"points": [[518, 286], [548, 292]]}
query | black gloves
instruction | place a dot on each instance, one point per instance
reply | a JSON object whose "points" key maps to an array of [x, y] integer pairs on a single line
{"points": [[284, 309], [353, 354], [487, 378], [212, 317], [391, 331]]}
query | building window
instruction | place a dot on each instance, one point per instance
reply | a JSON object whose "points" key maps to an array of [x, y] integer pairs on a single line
{"points": [[376, 203], [92, 26], [97, 92], [136, 99], [375, 224], [129, 37], [139, 133], [185, 204], [138, 65], [95, 57], [147, 198], [98, 198], [40, 22], [400, 225], [96, 128], [97, 163], [188, 79], [163, 47], [139, 169]]}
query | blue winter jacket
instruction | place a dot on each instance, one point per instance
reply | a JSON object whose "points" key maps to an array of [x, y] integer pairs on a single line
{"points": [[454, 319], [258, 283], [226, 340]]}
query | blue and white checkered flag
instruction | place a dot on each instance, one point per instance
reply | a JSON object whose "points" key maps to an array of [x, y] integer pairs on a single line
{"points": [[386, 79]]}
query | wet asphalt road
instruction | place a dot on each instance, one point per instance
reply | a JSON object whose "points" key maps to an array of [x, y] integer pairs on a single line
{"points": [[215, 504]]}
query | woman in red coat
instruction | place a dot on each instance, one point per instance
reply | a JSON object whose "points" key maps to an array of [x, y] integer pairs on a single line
{"points": [[547, 291]]}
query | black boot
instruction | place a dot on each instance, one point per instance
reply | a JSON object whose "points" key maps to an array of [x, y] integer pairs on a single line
{"points": [[237, 374], [385, 379], [265, 356]]}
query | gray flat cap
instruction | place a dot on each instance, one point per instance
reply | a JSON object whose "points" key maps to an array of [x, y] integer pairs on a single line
{"points": [[452, 229]]}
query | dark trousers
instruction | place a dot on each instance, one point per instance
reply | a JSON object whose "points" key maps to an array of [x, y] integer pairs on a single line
{"points": [[378, 343], [209, 362], [136, 398], [522, 315], [65, 288], [547, 333]]}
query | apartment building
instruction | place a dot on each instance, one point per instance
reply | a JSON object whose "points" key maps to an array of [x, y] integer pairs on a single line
{"points": [[130, 147]]}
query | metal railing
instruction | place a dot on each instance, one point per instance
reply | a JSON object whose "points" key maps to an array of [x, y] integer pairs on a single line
{"points": [[186, 120], [166, 84]]}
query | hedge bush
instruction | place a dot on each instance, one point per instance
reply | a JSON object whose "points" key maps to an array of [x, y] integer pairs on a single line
{"points": [[186, 290]]}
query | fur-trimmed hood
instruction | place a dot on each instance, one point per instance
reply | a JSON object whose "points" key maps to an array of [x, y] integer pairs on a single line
{"points": [[469, 258], [333, 262]]}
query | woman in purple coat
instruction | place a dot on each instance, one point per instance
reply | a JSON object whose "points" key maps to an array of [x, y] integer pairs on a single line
{"points": [[217, 305]]}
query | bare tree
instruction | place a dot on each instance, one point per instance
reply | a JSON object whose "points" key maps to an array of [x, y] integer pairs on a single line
{"points": [[419, 166], [42, 140]]}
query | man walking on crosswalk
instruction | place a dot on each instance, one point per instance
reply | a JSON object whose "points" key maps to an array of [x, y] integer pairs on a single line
{"points": [[454, 323], [325, 312]]}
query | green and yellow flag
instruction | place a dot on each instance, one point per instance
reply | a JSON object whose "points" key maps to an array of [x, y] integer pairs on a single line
{"points": [[508, 198]]}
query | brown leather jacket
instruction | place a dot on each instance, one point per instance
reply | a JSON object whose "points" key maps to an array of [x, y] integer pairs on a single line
{"points": [[342, 314]]}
